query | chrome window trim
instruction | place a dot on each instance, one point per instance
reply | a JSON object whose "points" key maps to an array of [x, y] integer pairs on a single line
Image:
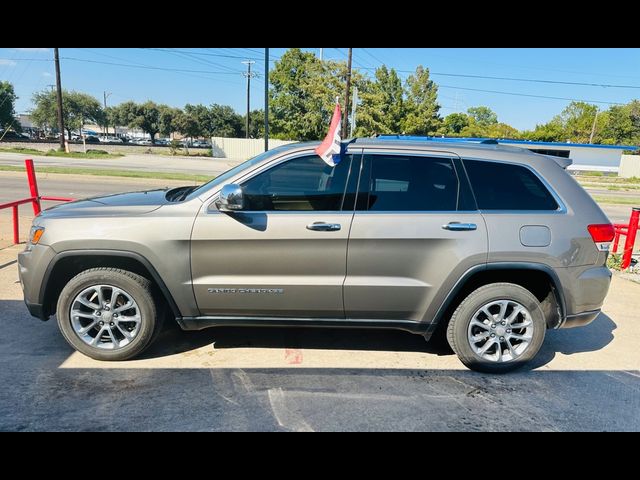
{"points": [[561, 210]]}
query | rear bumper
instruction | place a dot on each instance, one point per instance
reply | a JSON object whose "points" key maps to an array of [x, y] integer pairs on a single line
{"points": [[580, 319]]}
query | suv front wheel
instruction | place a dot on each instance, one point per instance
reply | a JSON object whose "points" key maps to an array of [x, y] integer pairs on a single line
{"points": [[497, 328], [108, 314]]}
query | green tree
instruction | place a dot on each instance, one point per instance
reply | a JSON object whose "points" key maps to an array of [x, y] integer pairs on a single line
{"points": [[621, 125], [223, 121], [547, 132], [381, 108], [145, 116], [7, 105], [295, 96], [256, 124], [169, 119], [303, 94], [577, 121], [501, 130], [421, 107], [483, 116], [454, 123], [77, 109]]}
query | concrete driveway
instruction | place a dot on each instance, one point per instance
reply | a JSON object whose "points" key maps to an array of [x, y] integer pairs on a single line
{"points": [[303, 380]]}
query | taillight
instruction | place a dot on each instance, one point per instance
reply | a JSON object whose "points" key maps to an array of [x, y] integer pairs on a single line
{"points": [[602, 235]]}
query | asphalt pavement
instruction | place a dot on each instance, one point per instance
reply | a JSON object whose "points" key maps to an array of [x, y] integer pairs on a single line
{"points": [[315, 380]]}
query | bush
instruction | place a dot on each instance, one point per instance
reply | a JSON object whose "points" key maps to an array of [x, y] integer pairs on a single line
{"points": [[614, 262], [97, 152], [174, 147]]}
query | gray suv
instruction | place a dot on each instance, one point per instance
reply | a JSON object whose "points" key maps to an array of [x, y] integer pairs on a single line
{"points": [[491, 244]]}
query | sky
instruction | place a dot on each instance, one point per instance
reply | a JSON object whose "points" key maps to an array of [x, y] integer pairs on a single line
{"points": [[177, 76]]}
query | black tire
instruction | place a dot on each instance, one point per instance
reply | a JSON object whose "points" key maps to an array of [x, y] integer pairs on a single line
{"points": [[139, 288], [459, 324]]}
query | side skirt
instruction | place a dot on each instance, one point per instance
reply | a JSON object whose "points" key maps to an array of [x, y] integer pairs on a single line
{"points": [[200, 323]]}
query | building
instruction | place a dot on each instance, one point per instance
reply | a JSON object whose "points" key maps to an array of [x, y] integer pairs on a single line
{"points": [[585, 156]]}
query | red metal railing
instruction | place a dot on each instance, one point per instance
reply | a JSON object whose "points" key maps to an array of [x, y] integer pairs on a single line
{"points": [[34, 199], [630, 231]]}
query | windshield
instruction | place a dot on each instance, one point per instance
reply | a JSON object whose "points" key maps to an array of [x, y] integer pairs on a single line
{"points": [[222, 178]]}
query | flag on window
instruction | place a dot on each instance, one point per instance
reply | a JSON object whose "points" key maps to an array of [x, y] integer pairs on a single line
{"points": [[329, 149]]}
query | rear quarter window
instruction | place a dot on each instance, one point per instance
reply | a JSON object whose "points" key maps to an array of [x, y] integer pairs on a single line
{"points": [[504, 186]]}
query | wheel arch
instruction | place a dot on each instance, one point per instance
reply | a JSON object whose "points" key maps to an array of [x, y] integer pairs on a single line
{"points": [[540, 279], [66, 265]]}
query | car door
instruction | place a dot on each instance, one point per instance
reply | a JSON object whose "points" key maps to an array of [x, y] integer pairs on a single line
{"points": [[416, 230], [284, 254]]}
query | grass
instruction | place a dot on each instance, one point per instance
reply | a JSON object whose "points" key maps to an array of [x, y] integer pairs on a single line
{"points": [[32, 151], [609, 179], [57, 153], [635, 201], [113, 173], [183, 153]]}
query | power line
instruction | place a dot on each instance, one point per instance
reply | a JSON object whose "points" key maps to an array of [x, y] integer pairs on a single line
{"points": [[529, 95], [166, 69], [515, 79], [203, 53]]}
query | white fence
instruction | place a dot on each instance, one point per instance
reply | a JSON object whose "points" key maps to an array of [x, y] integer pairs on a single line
{"points": [[629, 166], [241, 148]]}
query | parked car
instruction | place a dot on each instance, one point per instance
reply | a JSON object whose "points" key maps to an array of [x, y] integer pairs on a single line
{"points": [[109, 139], [493, 244], [91, 139], [200, 144], [11, 135]]}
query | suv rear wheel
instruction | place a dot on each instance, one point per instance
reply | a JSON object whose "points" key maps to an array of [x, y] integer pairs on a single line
{"points": [[108, 314], [497, 328]]}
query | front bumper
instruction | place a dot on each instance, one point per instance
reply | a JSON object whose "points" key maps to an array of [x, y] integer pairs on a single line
{"points": [[32, 266]]}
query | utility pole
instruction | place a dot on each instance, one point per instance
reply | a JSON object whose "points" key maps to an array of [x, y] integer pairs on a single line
{"points": [[59, 95], [321, 54], [106, 121], [593, 127], [354, 107], [266, 99], [346, 97], [248, 63]]}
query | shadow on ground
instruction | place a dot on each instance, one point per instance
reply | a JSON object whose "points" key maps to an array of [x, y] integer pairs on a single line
{"points": [[38, 395]]}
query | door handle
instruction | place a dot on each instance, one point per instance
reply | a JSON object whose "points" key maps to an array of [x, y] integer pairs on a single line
{"points": [[324, 227], [460, 227]]}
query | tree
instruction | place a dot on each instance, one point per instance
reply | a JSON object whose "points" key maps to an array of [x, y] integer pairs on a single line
{"points": [[483, 116], [621, 124], [169, 119], [303, 94], [421, 117], [77, 109], [454, 123], [295, 96], [7, 105], [256, 124], [145, 116], [223, 121], [381, 107]]}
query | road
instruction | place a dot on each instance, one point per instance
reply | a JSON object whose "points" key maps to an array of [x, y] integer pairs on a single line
{"points": [[321, 380], [150, 163]]}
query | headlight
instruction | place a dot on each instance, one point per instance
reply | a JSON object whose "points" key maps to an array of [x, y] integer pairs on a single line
{"points": [[36, 235]]}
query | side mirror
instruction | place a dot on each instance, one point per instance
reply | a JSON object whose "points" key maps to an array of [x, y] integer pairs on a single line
{"points": [[231, 198]]}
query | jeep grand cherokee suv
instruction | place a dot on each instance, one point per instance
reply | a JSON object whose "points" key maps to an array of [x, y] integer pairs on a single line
{"points": [[496, 244]]}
